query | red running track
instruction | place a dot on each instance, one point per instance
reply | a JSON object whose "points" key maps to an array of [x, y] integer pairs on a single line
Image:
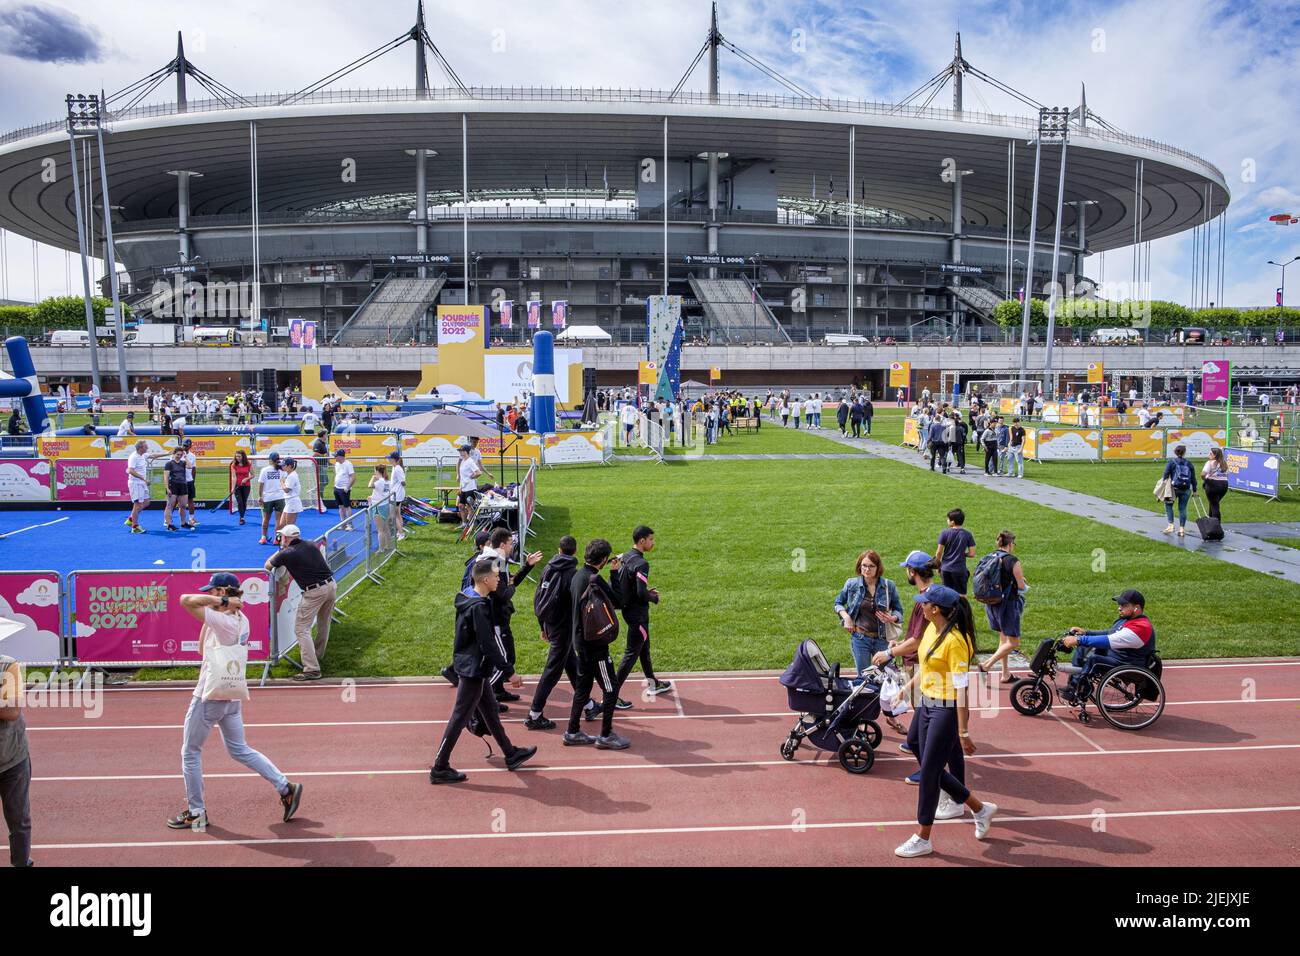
{"points": [[1216, 781]]}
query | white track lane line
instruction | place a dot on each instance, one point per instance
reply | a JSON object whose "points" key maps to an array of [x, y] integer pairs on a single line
{"points": [[1001, 823], [985, 713], [33, 527], [684, 679], [1077, 732], [699, 764]]}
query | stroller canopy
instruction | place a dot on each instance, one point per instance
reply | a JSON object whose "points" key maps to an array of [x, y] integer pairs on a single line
{"points": [[808, 671]]}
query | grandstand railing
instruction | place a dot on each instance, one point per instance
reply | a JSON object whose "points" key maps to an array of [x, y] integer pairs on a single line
{"points": [[524, 94]]}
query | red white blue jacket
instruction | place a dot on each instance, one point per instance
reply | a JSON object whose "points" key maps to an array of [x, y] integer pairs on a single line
{"points": [[1132, 640]]}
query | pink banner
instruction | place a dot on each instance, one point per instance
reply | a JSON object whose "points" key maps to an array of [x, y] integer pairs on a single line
{"points": [[507, 313], [91, 479], [29, 616], [136, 616], [1215, 377], [24, 479], [560, 313]]}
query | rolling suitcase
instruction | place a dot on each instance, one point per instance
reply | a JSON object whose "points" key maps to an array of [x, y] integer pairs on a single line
{"points": [[1210, 528]]}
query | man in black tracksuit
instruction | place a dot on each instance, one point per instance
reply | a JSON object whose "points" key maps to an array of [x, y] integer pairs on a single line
{"points": [[637, 595], [959, 446], [557, 631], [500, 546], [478, 658], [593, 658]]}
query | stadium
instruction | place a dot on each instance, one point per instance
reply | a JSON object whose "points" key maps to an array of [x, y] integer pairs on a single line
{"points": [[778, 218]]}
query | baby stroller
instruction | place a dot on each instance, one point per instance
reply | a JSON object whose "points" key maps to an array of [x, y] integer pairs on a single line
{"points": [[835, 714]]}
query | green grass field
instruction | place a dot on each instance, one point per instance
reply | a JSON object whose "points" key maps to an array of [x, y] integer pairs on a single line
{"points": [[750, 556]]}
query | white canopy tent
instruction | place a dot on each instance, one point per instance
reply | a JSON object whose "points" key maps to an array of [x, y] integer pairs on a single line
{"points": [[584, 333]]}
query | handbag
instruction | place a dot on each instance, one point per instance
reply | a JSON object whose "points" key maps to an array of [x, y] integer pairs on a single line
{"points": [[893, 630], [1164, 490], [224, 671]]}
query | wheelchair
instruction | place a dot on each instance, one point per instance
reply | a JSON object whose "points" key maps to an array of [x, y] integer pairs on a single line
{"points": [[1127, 696]]}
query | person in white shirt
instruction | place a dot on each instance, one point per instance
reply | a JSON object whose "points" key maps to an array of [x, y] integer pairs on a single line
{"points": [[379, 492], [1132, 395], [398, 484], [137, 484], [310, 421], [127, 428], [218, 609], [810, 412], [627, 415], [345, 476], [468, 473], [292, 485], [271, 491], [475, 453]]}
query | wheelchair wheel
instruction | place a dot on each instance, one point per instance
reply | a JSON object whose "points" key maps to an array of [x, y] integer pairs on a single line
{"points": [[855, 755], [874, 734], [1130, 698], [788, 748], [1030, 696]]}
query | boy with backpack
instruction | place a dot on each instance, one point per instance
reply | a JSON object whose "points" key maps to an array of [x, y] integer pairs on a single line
{"points": [[478, 658], [553, 607], [634, 588], [594, 626]]}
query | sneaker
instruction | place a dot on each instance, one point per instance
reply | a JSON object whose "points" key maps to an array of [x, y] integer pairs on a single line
{"points": [[904, 747], [171, 527], [1169, 529], [578, 740], [193, 523], [914, 779], [591, 713], [502, 708], [136, 529], [127, 522], [261, 540], [241, 520], [915, 846], [612, 742], [451, 676], [983, 819], [540, 722], [948, 809], [291, 800], [185, 820], [505, 695], [306, 676], [518, 756], [622, 704], [659, 687], [402, 536], [1182, 532], [445, 775]]}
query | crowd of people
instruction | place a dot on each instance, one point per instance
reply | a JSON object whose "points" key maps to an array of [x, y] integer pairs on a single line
{"points": [[943, 435]]}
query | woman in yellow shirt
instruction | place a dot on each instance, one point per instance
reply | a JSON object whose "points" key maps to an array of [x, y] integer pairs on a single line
{"points": [[942, 717]]}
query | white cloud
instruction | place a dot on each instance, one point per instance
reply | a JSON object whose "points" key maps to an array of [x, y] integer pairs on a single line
{"points": [[84, 629], [28, 642], [40, 593]]}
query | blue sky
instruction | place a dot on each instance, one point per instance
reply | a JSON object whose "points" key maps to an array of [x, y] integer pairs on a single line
{"points": [[1217, 78]]}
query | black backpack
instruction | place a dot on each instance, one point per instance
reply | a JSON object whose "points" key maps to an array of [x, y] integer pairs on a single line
{"points": [[988, 582], [596, 615], [547, 600]]}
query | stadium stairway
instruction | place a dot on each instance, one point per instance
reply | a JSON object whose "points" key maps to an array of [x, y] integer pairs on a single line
{"points": [[736, 310], [389, 314], [981, 299]]}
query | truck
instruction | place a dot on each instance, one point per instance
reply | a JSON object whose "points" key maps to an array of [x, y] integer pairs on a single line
{"points": [[152, 334]]}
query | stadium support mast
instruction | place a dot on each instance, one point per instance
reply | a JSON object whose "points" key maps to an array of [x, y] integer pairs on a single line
{"points": [[715, 38], [421, 154], [181, 68], [957, 64]]}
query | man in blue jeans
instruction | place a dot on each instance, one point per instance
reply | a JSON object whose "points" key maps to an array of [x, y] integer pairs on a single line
{"points": [[1004, 448]]}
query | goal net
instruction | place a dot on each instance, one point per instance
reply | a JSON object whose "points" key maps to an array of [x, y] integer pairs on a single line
{"points": [[309, 481]]}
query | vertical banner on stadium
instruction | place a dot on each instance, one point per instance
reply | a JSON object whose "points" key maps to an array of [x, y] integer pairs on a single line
{"points": [[534, 313], [715, 374], [295, 333], [1215, 376], [1096, 373], [309, 335], [560, 313], [134, 617], [30, 613], [24, 479], [507, 312], [647, 373], [900, 374]]}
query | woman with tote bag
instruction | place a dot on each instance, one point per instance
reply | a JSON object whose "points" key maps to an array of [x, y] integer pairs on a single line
{"points": [[218, 700]]}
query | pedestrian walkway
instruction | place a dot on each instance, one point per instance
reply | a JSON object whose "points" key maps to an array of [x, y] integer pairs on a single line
{"points": [[724, 457], [1236, 548]]}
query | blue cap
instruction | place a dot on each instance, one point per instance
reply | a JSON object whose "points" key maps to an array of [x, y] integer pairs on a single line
{"points": [[940, 596], [221, 579], [274, 456], [917, 561]]}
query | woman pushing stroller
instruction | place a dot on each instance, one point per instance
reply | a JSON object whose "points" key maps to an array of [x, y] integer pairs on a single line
{"points": [[939, 734], [869, 607]]}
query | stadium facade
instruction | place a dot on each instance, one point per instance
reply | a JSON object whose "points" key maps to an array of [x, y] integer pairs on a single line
{"points": [[777, 218]]}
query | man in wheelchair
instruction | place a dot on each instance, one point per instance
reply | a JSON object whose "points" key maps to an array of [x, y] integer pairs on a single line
{"points": [[1130, 640]]}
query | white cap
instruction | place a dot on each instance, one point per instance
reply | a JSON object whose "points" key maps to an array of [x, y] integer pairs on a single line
{"points": [[290, 531]]}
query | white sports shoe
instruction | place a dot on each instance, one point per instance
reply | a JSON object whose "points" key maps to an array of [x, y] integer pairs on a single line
{"points": [[983, 819], [915, 846], [948, 808]]}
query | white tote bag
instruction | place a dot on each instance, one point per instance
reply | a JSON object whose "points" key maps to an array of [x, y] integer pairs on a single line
{"points": [[891, 687], [224, 671]]}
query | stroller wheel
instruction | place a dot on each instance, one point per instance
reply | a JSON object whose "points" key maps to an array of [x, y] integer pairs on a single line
{"points": [[874, 735], [855, 755], [788, 748]]}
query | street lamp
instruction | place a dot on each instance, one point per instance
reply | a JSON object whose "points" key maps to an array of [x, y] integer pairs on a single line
{"points": [[1282, 266]]}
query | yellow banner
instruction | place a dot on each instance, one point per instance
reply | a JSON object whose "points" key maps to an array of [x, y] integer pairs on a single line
{"points": [[715, 374], [1006, 406], [155, 445], [911, 433], [71, 446], [1096, 373], [647, 373], [1132, 444], [900, 374], [1031, 443], [203, 446]]}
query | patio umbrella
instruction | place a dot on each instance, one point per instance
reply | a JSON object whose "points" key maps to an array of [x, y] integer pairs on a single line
{"points": [[441, 423]]}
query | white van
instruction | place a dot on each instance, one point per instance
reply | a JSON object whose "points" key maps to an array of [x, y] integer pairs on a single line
{"points": [[216, 336], [70, 337], [1117, 336]]}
